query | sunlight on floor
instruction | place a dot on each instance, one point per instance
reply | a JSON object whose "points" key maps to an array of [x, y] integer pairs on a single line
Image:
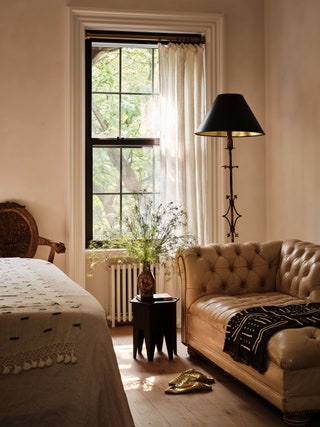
{"points": [[124, 355], [135, 383], [124, 347], [124, 351]]}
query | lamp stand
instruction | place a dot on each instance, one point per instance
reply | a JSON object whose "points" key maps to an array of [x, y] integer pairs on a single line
{"points": [[231, 215]]}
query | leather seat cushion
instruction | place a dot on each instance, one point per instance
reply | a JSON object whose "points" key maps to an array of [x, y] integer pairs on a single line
{"points": [[289, 349], [217, 309]]}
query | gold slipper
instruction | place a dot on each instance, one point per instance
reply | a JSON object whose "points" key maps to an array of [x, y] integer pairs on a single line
{"points": [[190, 375], [190, 387]]}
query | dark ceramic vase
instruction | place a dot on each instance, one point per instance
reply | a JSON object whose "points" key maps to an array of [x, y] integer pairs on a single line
{"points": [[146, 282]]}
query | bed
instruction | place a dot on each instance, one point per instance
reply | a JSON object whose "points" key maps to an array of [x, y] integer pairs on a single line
{"points": [[57, 362]]}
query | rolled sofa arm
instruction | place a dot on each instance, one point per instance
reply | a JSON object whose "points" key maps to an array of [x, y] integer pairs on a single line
{"points": [[182, 274]]}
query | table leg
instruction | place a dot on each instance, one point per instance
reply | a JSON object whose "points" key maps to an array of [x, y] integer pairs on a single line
{"points": [[150, 346], [170, 344], [160, 341], [138, 336]]}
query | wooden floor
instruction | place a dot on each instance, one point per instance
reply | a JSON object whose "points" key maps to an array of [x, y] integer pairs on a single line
{"points": [[229, 404]]}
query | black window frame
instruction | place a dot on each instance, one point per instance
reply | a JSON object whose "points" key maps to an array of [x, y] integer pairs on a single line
{"points": [[91, 143]]}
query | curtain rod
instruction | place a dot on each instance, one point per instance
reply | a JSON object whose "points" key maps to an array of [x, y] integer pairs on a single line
{"points": [[146, 37]]}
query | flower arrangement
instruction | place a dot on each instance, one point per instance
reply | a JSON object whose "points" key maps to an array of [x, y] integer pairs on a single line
{"points": [[149, 233]]}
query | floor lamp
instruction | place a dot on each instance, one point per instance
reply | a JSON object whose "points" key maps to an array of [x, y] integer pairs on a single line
{"points": [[230, 117]]}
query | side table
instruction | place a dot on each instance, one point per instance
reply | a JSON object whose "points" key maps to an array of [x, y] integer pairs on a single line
{"points": [[154, 321]]}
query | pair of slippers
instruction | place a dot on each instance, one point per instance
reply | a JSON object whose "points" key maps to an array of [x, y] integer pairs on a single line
{"points": [[189, 381]]}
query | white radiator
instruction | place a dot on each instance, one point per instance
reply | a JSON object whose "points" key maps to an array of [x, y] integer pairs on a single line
{"points": [[123, 289]]}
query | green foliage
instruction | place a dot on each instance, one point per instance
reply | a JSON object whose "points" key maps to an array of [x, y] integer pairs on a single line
{"points": [[125, 104], [149, 232], [138, 174], [125, 85]]}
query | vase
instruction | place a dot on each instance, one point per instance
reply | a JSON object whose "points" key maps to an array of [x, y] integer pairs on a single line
{"points": [[146, 283]]}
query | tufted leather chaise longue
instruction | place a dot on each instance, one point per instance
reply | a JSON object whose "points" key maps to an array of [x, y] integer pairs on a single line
{"points": [[219, 280]]}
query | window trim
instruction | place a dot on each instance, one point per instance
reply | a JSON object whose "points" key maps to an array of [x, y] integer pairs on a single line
{"points": [[80, 19]]}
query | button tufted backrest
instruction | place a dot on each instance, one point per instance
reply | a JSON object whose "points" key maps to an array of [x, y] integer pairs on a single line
{"points": [[299, 270], [230, 268]]}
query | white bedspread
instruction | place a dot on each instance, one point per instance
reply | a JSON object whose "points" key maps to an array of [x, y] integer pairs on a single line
{"points": [[47, 321], [41, 321]]}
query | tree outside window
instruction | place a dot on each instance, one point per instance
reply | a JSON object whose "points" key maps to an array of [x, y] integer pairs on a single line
{"points": [[122, 129]]}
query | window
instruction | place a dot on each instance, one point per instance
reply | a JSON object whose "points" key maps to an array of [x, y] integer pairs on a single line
{"points": [[81, 20], [122, 132]]}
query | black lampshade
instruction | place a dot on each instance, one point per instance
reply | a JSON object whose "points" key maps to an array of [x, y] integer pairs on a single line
{"points": [[230, 113]]}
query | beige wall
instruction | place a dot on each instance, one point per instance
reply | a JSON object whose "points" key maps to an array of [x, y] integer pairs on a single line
{"points": [[293, 118], [34, 131], [34, 138], [33, 143]]}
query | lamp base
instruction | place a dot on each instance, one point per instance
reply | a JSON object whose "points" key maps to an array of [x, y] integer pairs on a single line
{"points": [[231, 215]]}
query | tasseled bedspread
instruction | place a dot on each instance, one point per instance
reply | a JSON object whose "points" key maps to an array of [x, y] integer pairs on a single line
{"points": [[249, 330], [38, 324]]}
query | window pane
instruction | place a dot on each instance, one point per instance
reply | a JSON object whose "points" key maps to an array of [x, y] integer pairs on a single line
{"points": [[137, 175], [105, 69], [137, 70], [106, 169], [105, 215], [123, 104], [130, 200], [105, 116], [139, 116]]}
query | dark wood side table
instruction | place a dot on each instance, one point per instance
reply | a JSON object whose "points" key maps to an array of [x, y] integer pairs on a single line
{"points": [[154, 321]]}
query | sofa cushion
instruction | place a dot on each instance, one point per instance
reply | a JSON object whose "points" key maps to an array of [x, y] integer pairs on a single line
{"points": [[295, 348], [217, 310], [289, 349]]}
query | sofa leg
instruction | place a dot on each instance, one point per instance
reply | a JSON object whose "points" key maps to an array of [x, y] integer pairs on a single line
{"points": [[300, 420], [191, 352]]}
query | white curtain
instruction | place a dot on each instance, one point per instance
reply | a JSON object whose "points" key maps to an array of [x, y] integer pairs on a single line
{"points": [[186, 159]]}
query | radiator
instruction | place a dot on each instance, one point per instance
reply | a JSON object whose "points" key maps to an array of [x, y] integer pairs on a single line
{"points": [[123, 289]]}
